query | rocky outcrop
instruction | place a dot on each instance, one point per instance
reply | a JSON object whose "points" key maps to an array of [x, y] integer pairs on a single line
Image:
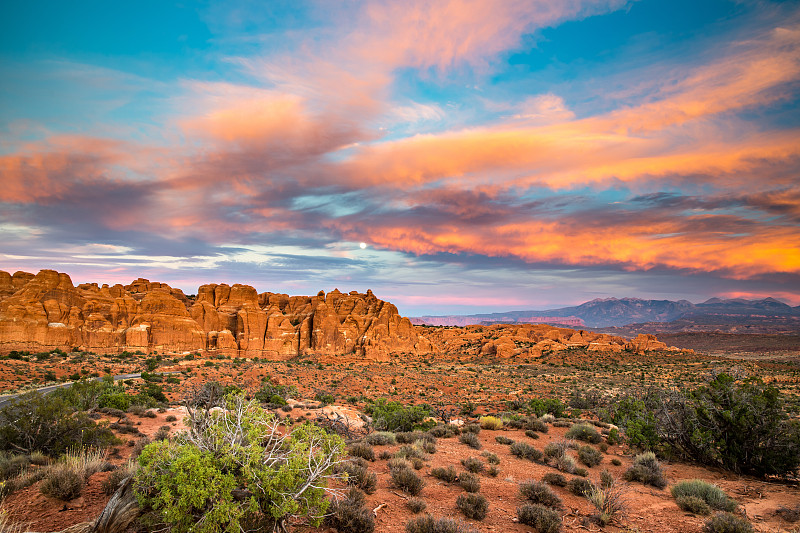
{"points": [[47, 311], [523, 342]]}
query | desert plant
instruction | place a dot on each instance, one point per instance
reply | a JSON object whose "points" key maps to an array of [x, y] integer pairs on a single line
{"points": [[408, 437], [540, 493], [473, 464], [282, 474], [398, 462], [693, 504], [408, 451], [606, 479], [445, 474], [429, 446], [416, 505], [608, 500], [471, 440], [471, 428], [407, 480], [523, 450], [363, 450], [443, 431], [616, 462], [358, 475], [536, 424], [589, 456], [474, 506], [469, 482], [727, 523], [566, 463], [111, 483], [712, 495], [490, 422], [501, 439], [543, 519], [62, 482], [579, 486], [646, 469], [555, 479], [429, 524], [491, 457], [583, 432], [381, 438], [492, 471], [394, 416], [532, 434], [348, 515]]}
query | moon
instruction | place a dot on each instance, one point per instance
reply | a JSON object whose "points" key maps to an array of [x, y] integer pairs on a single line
{"points": [[362, 245]]}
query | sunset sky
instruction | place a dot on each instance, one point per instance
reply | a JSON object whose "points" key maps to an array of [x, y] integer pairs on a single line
{"points": [[492, 155]]}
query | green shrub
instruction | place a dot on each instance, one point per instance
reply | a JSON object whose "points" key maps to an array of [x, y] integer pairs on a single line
{"points": [[471, 440], [712, 495], [273, 394], [589, 456], [115, 400], [407, 480], [348, 515], [381, 438], [540, 493], [189, 483], [553, 406], [532, 434], [523, 450], [727, 523], [62, 482], [363, 450], [472, 505], [429, 524], [469, 482], [542, 519], [394, 416], [473, 464], [646, 469], [448, 474], [46, 423], [583, 432]]}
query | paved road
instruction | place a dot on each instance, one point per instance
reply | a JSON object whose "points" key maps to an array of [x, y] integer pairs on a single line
{"points": [[51, 388]]}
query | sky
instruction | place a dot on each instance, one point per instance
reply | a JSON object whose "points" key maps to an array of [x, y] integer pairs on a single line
{"points": [[491, 155]]}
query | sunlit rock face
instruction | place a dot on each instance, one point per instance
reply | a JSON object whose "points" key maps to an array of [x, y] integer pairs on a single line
{"points": [[47, 311]]}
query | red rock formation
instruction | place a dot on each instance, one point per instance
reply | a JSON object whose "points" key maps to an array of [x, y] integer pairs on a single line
{"points": [[46, 311]]}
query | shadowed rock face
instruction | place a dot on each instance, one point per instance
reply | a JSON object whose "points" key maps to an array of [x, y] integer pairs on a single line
{"points": [[47, 311]]}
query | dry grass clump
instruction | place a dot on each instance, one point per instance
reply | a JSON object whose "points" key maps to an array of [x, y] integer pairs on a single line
{"points": [[555, 479], [63, 483], [501, 439], [416, 505], [473, 464], [491, 457], [579, 487], [523, 450], [532, 434], [471, 440], [608, 500], [363, 450], [542, 519], [469, 482], [358, 475], [490, 422], [429, 524], [409, 451], [474, 506], [7, 527], [349, 515], [407, 480], [540, 493], [443, 431], [589, 456], [646, 469], [408, 437], [448, 474], [111, 483], [727, 523], [381, 438]]}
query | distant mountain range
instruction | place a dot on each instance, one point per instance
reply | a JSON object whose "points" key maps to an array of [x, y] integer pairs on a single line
{"points": [[617, 312]]}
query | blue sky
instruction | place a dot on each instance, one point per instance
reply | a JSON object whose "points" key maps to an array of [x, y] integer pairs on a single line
{"points": [[491, 155]]}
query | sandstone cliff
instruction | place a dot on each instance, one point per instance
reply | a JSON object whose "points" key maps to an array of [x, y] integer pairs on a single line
{"points": [[47, 311]]}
